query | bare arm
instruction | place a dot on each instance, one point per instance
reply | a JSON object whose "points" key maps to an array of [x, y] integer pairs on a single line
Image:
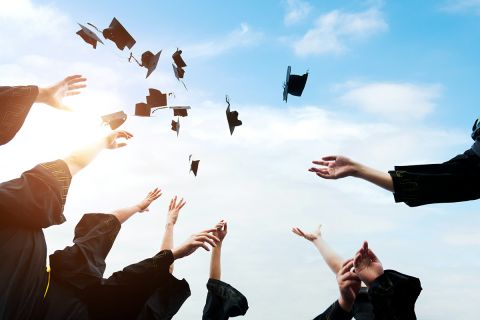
{"points": [[331, 258], [215, 261], [123, 214], [172, 216], [80, 158], [336, 167]]}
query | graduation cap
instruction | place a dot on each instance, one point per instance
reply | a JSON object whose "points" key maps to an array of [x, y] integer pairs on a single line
{"points": [[176, 125], [294, 84], [177, 58], [178, 71], [89, 36], [149, 61], [476, 129], [193, 165], [142, 109], [232, 117], [156, 98], [180, 111], [118, 34], [114, 120]]}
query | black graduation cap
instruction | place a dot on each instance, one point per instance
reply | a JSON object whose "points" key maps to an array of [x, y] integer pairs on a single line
{"points": [[118, 34], [177, 58], [178, 71], [193, 165], [156, 98], [294, 84], [142, 109], [149, 61], [114, 120], [89, 36], [180, 111], [232, 117], [176, 125]]}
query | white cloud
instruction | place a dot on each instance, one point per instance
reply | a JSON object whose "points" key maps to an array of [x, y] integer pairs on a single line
{"points": [[333, 31], [467, 6], [244, 36], [464, 238], [296, 11], [393, 101]]}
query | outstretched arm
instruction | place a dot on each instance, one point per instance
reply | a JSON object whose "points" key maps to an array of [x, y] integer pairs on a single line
{"points": [[331, 258], [336, 167], [172, 216], [215, 262], [54, 94], [196, 241], [124, 214], [80, 158]]}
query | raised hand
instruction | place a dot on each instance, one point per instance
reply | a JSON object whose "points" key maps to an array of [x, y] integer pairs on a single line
{"points": [[334, 167], [151, 196], [54, 94], [367, 266], [111, 139], [174, 210], [309, 236], [202, 239], [348, 284], [221, 230]]}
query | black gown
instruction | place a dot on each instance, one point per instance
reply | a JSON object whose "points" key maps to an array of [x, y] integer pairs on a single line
{"points": [[15, 103], [223, 301], [451, 181], [28, 204], [144, 290], [390, 296]]}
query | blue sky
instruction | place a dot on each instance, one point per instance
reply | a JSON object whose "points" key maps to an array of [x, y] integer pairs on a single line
{"points": [[390, 83]]}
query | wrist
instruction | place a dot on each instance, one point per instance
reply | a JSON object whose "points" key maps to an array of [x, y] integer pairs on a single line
{"points": [[42, 93], [345, 305], [169, 224]]}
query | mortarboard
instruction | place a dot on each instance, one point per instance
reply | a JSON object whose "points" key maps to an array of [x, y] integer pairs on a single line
{"points": [[149, 61], [142, 109], [156, 98], [178, 71], [89, 36], [117, 33], [232, 117], [193, 165], [176, 125], [180, 111], [177, 58], [294, 84], [114, 120]]}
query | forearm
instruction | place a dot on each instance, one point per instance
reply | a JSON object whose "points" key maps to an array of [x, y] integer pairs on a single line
{"points": [[380, 178], [80, 158], [215, 262], [331, 258], [124, 214], [167, 242]]}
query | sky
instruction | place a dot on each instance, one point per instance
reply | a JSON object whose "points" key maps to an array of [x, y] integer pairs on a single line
{"points": [[390, 83]]}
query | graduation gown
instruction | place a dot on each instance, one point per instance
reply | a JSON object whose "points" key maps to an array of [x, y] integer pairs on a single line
{"points": [[223, 301], [391, 296], [144, 290], [451, 181], [28, 204], [15, 103]]}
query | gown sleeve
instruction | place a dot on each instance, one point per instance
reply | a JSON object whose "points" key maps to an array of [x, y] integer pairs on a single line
{"points": [[451, 181], [83, 264], [335, 312], [393, 296], [15, 103], [223, 301], [144, 290], [36, 199]]}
